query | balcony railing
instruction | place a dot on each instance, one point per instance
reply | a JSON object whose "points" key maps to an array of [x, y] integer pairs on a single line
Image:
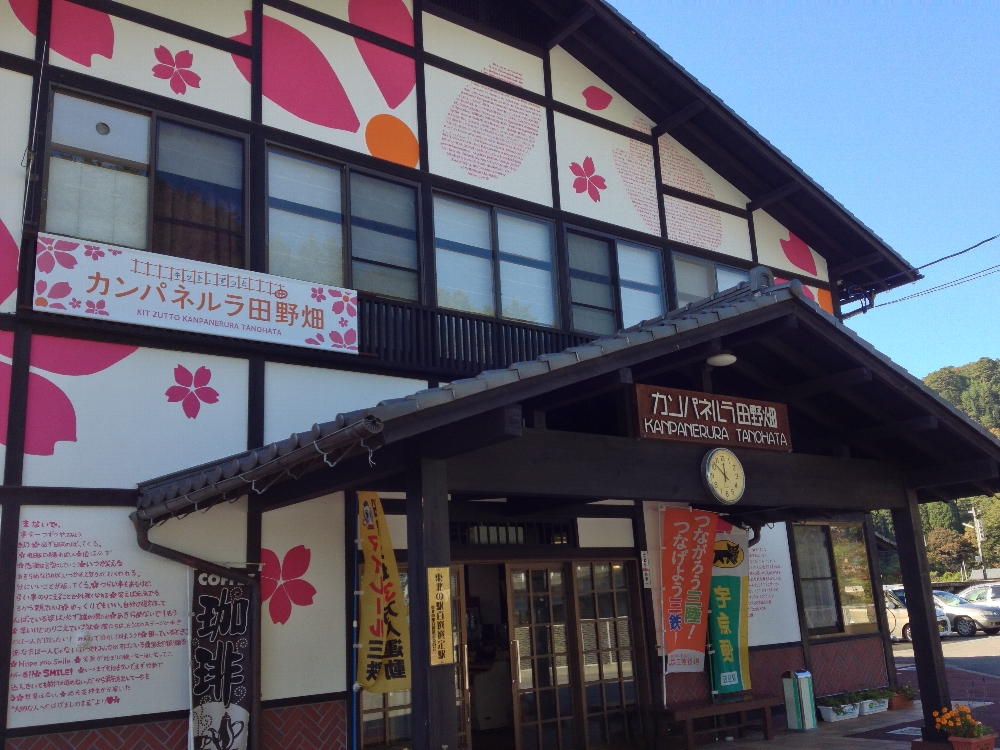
{"points": [[452, 344]]}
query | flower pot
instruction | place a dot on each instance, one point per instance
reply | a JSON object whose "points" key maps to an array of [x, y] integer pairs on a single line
{"points": [[848, 711], [973, 743], [897, 702], [873, 706]]}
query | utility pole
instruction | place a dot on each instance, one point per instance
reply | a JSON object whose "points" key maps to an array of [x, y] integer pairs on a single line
{"points": [[977, 529]]}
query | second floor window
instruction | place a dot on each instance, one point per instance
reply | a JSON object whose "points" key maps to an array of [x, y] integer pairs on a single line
{"points": [[98, 187], [698, 279], [612, 284], [494, 263], [306, 228]]}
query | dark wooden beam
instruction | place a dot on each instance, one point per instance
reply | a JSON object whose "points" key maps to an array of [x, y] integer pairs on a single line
{"points": [[678, 118], [434, 723], [479, 431], [606, 383], [874, 434], [569, 26], [821, 385], [960, 473], [775, 195], [567, 464], [842, 269], [931, 676], [695, 355]]}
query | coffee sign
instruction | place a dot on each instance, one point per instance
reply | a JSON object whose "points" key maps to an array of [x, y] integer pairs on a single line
{"points": [[692, 417]]}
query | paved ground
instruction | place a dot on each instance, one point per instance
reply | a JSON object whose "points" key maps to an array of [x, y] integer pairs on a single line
{"points": [[973, 667]]}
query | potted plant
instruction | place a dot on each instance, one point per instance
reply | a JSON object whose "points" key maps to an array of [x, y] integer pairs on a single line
{"points": [[837, 707], [903, 697], [875, 701], [964, 732]]}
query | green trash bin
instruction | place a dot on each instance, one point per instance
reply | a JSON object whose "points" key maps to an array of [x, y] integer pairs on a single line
{"points": [[800, 703]]}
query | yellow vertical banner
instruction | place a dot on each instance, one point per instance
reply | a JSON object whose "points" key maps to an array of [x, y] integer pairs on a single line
{"points": [[439, 601], [383, 630]]}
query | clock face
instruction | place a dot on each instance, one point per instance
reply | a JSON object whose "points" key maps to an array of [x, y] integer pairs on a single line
{"points": [[723, 475]]}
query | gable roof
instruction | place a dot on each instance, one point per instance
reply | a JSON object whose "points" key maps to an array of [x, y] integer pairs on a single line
{"points": [[621, 54], [400, 419]]}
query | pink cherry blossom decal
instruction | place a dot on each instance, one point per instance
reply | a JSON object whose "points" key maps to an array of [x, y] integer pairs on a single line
{"points": [[344, 301], [192, 390], [93, 252], [45, 294], [586, 179], [596, 98], [346, 340], [798, 254], [48, 252], [282, 583], [96, 308], [77, 32], [176, 69], [316, 340], [298, 77]]}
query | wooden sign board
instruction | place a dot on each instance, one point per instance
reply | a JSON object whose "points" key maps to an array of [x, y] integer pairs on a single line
{"points": [[712, 419], [439, 590]]}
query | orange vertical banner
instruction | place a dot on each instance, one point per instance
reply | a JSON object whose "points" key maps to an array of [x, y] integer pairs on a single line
{"points": [[687, 542]]}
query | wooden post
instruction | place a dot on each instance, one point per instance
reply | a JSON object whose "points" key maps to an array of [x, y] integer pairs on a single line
{"points": [[434, 716], [927, 653], [878, 597]]}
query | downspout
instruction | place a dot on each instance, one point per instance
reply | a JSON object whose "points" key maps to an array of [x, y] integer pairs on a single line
{"points": [[142, 537]]}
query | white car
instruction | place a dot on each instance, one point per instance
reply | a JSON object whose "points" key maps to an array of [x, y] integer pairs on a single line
{"points": [[982, 593], [899, 618]]}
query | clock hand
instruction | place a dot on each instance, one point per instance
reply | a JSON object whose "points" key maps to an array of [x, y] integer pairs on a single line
{"points": [[722, 468]]}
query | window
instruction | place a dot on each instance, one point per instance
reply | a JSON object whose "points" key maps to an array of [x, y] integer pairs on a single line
{"points": [[489, 262], [383, 237], [98, 173], [698, 279], [596, 292], [835, 578], [198, 196], [305, 221], [98, 186]]}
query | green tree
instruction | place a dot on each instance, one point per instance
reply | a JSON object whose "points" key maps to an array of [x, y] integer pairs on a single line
{"points": [[974, 388], [941, 516], [947, 550]]}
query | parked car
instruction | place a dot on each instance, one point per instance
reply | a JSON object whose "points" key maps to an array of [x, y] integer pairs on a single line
{"points": [[982, 593], [967, 617], [899, 618]]}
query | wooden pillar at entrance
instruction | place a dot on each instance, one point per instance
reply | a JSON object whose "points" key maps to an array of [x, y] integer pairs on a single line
{"points": [[927, 653], [434, 718]]}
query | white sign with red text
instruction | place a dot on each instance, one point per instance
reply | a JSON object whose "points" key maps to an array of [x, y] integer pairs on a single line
{"points": [[88, 279]]}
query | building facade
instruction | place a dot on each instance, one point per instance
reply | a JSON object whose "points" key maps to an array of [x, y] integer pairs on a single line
{"points": [[223, 223]]}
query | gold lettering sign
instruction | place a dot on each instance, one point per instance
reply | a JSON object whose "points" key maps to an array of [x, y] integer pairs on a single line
{"points": [[439, 599], [713, 419]]}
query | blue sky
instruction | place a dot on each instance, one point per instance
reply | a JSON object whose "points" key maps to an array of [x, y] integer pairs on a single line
{"points": [[895, 110]]}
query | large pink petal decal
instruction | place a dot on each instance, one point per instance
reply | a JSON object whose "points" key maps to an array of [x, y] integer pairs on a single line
{"points": [[27, 13], [267, 587], [296, 562], [280, 607], [798, 254], [8, 263], [75, 356], [79, 32], [394, 74], [5, 371], [299, 591], [271, 567], [298, 77], [51, 417]]}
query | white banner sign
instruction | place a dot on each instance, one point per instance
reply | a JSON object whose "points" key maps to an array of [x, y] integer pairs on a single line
{"points": [[75, 277]]}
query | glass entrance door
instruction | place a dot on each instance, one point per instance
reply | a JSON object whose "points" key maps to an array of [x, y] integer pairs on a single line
{"points": [[541, 668]]}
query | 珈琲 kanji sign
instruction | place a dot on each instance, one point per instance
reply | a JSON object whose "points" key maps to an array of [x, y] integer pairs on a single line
{"points": [[689, 416], [221, 664], [383, 631], [105, 282], [686, 573]]}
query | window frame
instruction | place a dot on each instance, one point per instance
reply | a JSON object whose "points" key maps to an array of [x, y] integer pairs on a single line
{"points": [[347, 169], [716, 265], [155, 115], [616, 290], [494, 210], [837, 629]]}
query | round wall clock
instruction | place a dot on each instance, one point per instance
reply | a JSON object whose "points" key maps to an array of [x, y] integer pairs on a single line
{"points": [[723, 475]]}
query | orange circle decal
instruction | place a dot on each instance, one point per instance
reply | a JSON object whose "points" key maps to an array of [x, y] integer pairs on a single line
{"points": [[391, 139]]}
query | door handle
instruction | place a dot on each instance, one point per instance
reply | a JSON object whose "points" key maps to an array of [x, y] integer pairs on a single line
{"points": [[517, 660]]}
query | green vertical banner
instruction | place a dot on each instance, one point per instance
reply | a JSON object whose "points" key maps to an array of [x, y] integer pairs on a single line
{"points": [[729, 619]]}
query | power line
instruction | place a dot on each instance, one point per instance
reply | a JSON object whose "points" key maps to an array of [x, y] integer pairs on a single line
{"points": [[947, 285], [947, 257]]}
